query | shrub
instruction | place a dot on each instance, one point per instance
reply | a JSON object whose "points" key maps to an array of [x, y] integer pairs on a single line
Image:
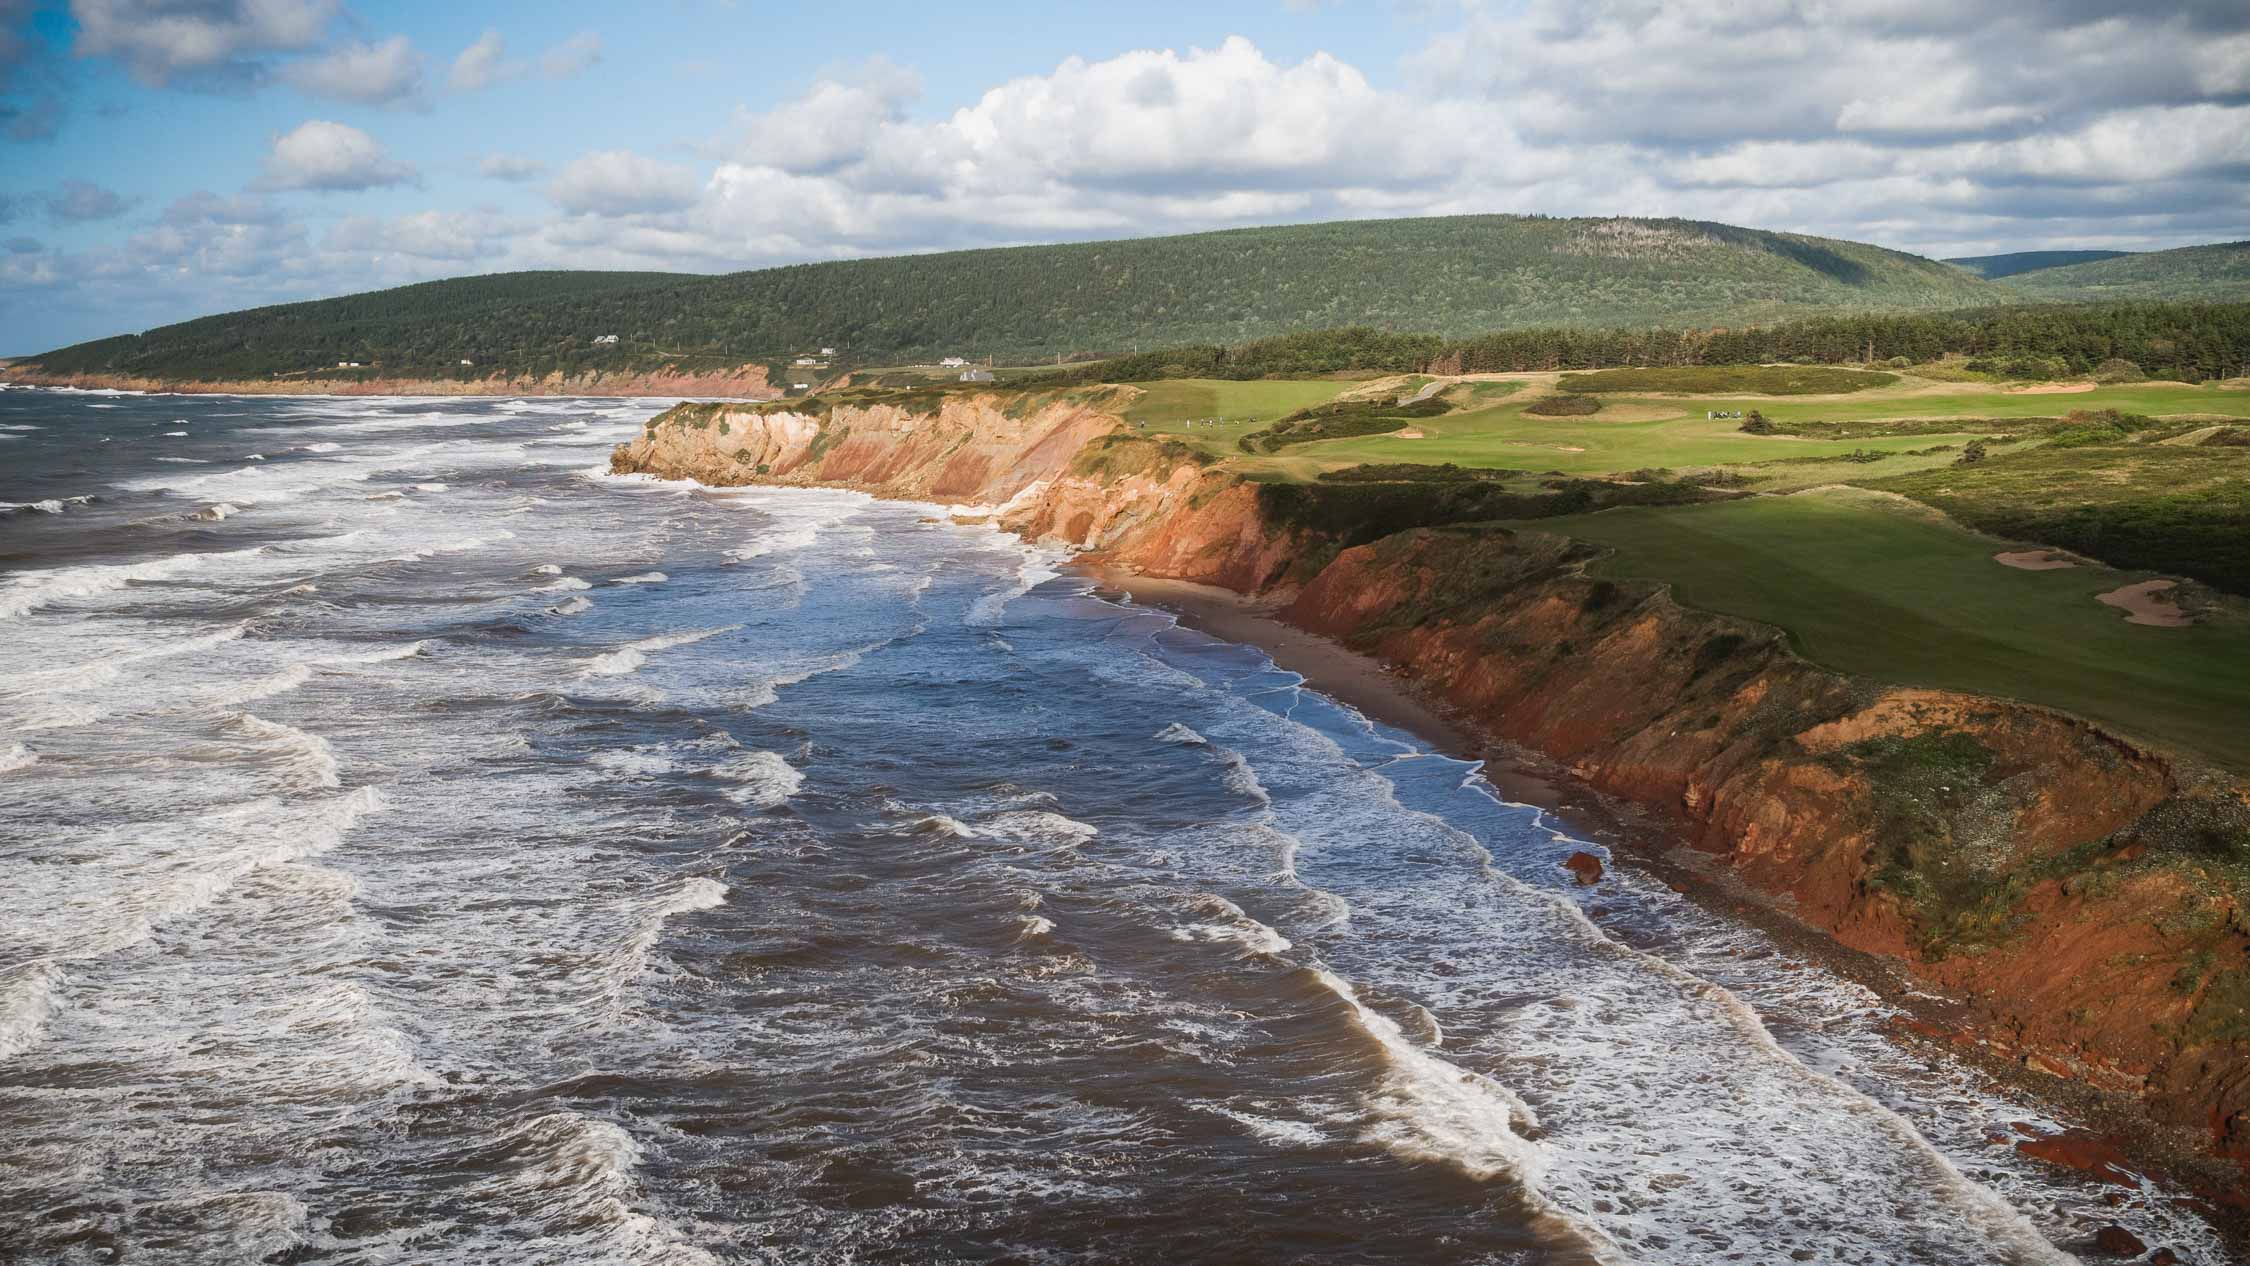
{"points": [[2084, 428], [1900, 362], [1971, 454], [1565, 405], [1706, 380], [1756, 424], [2118, 369]]}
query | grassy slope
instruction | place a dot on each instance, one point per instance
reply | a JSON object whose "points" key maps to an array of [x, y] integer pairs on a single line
{"points": [[1897, 595], [1452, 275], [1631, 433], [1993, 267], [2191, 272]]}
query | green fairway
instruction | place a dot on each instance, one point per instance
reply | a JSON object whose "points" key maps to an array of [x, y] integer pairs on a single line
{"points": [[1956, 400], [1240, 407], [1625, 435], [1868, 586], [1634, 433]]}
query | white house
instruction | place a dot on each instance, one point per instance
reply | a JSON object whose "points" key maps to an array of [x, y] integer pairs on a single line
{"points": [[976, 375], [951, 362], [804, 361], [466, 361], [828, 351], [606, 340]]}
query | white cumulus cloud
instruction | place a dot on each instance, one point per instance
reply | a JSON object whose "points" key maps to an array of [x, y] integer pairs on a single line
{"points": [[330, 156], [162, 40], [620, 182], [371, 74]]}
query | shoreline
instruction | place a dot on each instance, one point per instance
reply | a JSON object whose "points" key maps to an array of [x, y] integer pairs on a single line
{"points": [[652, 385], [1927, 1025]]}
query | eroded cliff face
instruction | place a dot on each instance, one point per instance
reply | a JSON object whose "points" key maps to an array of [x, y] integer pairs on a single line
{"points": [[2075, 889], [746, 382], [969, 449]]}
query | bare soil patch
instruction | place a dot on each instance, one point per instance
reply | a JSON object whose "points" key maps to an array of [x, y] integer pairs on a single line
{"points": [[2052, 389], [1408, 434], [2147, 603]]}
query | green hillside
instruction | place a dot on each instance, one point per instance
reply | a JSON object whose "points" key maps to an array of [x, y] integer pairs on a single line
{"points": [[1991, 267], [1449, 276], [2191, 272]]}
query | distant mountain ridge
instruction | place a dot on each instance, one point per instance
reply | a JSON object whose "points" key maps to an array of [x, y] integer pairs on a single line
{"points": [[2218, 272], [1449, 276], [1994, 267]]}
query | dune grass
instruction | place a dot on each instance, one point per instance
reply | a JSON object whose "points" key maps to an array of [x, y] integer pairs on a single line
{"points": [[1893, 592]]}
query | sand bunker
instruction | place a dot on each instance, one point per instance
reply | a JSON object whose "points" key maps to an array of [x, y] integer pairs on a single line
{"points": [[1409, 435], [2052, 389], [2033, 560], [2145, 603]]}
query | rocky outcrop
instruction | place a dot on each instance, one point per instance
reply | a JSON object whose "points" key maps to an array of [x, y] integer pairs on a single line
{"points": [[2077, 891], [742, 382]]}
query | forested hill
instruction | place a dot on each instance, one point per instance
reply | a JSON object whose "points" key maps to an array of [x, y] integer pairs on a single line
{"points": [[1992, 267], [2220, 272], [1455, 275]]}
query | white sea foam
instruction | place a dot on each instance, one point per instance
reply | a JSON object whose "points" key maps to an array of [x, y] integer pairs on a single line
{"points": [[1241, 777], [571, 606], [266, 687], [632, 655], [645, 578], [16, 756], [565, 584], [305, 761], [27, 1000], [573, 1178], [546, 569], [384, 655], [1037, 826], [1181, 734], [29, 591], [763, 779]]}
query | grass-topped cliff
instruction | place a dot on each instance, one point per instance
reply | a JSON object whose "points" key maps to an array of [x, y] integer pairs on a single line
{"points": [[1447, 276]]}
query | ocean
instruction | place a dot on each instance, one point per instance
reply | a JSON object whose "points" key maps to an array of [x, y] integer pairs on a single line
{"points": [[418, 845]]}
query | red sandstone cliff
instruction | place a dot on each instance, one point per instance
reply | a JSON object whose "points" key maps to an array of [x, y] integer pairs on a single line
{"points": [[2074, 889]]}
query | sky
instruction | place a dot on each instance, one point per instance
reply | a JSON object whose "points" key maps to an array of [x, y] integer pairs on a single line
{"points": [[164, 159]]}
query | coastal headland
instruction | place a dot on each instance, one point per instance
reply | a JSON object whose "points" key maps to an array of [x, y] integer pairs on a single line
{"points": [[2062, 884]]}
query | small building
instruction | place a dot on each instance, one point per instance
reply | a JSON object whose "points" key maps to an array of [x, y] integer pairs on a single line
{"points": [[828, 351], [466, 361], [976, 375], [800, 386], [951, 362], [805, 362], [606, 340]]}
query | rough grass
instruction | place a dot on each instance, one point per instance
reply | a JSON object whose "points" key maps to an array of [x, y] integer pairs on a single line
{"points": [[2162, 507], [1869, 587], [1763, 380]]}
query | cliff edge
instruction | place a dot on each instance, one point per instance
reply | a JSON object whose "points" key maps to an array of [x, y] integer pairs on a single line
{"points": [[2078, 892]]}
